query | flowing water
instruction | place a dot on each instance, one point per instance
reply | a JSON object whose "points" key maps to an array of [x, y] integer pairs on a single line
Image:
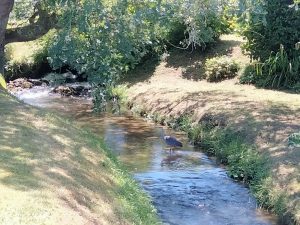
{"points": [[186, 187]]}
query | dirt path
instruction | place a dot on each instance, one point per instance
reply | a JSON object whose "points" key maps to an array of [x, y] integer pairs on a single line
{"points": [[265, 117]]}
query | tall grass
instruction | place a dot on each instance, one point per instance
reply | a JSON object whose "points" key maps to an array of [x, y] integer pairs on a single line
{"points": [[278, 71]]}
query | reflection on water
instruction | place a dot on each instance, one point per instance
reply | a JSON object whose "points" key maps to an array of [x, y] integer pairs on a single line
{"points": [[186, 186]]}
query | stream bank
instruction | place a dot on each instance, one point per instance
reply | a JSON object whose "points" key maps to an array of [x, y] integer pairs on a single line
{"points": [[53, 172], [246, 128]]}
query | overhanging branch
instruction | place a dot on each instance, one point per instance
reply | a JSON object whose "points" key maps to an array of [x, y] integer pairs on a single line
{"points": [[35, 29]]}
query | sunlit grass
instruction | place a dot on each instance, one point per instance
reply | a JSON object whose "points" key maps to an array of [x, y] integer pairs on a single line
{"points": [[22, 52], [2, 82]]}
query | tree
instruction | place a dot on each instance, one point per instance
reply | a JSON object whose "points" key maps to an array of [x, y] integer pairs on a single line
{"points": [[5, 9]]}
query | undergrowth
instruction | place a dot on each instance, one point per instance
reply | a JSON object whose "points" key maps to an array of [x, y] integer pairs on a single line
{"points": [[220, 68]]}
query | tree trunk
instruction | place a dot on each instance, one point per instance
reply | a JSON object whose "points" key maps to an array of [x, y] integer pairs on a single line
{"points": [[5, 9]]}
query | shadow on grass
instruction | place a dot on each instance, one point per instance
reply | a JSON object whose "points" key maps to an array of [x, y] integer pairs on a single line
{"points": [[39, 152], [142, 73], [192, 63]]}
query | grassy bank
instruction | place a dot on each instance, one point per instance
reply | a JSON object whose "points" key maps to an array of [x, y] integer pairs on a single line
{"points": [[51, 172], [244, 127]]}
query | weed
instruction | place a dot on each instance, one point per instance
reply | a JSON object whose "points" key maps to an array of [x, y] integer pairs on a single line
{"points": [[294, 140]]}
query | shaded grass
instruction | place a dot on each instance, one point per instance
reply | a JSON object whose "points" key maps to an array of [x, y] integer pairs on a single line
{"points": [[52, 172]]}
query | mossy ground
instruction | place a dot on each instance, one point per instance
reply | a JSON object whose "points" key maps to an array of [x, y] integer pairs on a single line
{"points": [[262, 119], [52, 172]]}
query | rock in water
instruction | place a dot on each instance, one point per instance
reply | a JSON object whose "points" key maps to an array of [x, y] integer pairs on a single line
{"points": [[64, 90], [19, 84]]}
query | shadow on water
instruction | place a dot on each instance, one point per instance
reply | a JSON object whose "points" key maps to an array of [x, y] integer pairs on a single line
{"points": [[186, 186]]}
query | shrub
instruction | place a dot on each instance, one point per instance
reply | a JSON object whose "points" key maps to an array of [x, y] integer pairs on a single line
{"points": [[269, 25], [249, 74], [294, 140], [220, 68], [278, 71]]}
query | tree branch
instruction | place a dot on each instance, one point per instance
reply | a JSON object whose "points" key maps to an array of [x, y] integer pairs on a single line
{"points": [[34, 30]]}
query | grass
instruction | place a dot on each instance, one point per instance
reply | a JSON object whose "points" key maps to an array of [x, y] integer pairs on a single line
{"points": [[27, 59], [247, 126], [52, 172], [2, 82]]}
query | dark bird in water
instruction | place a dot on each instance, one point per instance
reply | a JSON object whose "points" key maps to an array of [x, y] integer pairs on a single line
{"points": [[172, 142]]}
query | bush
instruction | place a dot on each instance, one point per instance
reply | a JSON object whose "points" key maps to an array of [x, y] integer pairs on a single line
{"points": [[269, 25], [294, 140], [220, 68], [278, 71], [249, 74]]}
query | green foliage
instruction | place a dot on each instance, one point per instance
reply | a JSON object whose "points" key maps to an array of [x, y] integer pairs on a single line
{"points": [[203, 20], [244, 162], [109, 98], [119, 92], [2, 82], [249, 74], [275, 202], [296, 87], [294, 140], [269, 24], [278, 71], [105, 39], [220, 68], [22, 11]]}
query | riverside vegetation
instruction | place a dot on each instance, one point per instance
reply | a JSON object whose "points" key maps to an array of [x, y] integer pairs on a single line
{"points": [[253, 131]]}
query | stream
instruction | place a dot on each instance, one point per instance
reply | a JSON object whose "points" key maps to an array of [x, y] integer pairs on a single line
{"points": [[186, 187]]}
